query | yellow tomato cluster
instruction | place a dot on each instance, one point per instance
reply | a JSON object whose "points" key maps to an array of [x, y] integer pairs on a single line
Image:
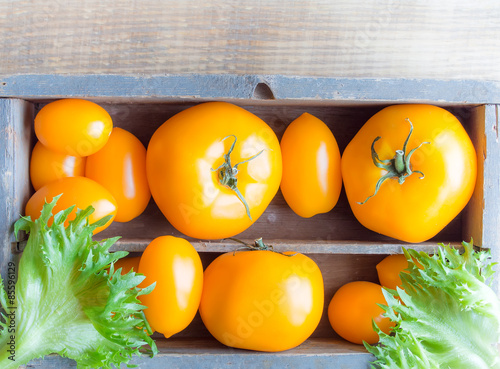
{"points": [[214, 168], [81, 156]]}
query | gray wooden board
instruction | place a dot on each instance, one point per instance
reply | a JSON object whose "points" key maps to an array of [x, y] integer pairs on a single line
{"points": [[491, 187], [256, 87], [16, 118], [209, 354]]}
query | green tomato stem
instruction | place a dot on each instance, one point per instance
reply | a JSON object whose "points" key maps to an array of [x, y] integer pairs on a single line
{"points": [[227, 173], [398, 167]]}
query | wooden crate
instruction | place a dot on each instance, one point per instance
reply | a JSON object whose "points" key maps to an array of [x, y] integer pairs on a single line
{"points": [[344, 250]]}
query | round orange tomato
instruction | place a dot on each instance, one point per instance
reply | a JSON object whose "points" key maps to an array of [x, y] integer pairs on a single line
{"points": [[73, 126], [79, 191], [47, 166], [409, 171], [213, 169], [354, 307], [120, 166], [130, 263], [312, 178], [175, 266], [262, 300], [389, 268]]}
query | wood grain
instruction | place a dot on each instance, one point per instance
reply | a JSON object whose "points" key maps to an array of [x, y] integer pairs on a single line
{"points": [[209, 354], [356, 39], [16, 117]]}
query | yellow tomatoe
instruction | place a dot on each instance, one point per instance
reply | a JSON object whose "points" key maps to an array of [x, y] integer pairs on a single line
{"points": [[428, 166], [213, 169], [389, 268], [120, 166], [47, 166], [262, 300], [127, 264], [353, 308], [73, 126], [312, 178], [79, 191], [175, 266]]}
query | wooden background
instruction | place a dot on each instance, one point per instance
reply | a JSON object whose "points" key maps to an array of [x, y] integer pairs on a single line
{"points": [[442, 40]]}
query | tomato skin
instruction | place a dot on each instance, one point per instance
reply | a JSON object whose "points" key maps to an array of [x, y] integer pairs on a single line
{"points": [[73, 126], [175, 266], [421, 207], [79, 191], [129, 263], [183, 154], [312, 178], [47, 166], [120, 166], [389, 268], [352, 309], [262, 300]]}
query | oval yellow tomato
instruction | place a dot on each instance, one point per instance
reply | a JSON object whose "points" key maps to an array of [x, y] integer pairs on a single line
{"points": [[79, 191], [73, 126], [120, 166], [262, 300], [47, 166], [213, 169], [312, 178], [128, 263], [354, 307], [175, 266], [428, 164], [389, 268]]}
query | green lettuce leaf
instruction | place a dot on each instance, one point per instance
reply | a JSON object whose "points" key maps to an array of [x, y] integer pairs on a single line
{"points": [[69, 300], [446, 314]]}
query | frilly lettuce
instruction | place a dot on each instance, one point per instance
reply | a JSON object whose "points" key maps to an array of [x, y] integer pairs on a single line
{"points": [[446, 314], [68, 298]]}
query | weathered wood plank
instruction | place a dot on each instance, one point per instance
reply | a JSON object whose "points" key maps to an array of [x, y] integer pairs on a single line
{"points": [[358, 39], [16, 118], [302, 246], [209, 354], [313, 90], [483, 216]]}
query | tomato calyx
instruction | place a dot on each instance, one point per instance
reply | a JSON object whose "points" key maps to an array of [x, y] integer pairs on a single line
{"points": [[258, 245], [398, 167], [227, 173]]}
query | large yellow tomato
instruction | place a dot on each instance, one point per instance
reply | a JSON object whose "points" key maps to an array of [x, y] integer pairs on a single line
{"points": [[428, 166], [213, 169], [120, 166], [47, 166], [175, 266], [262, 300], [79, 191], [354, 307], [73, 126], [312, 178]]}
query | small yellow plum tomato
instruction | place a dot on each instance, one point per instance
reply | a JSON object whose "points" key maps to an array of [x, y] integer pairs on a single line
{"points": [[354, 307], [389, 268], [120, 166], [312, 178], [262, 300], [130, 263], [213, 169], [79, 191], [175, 266], [73, 126], [47, 166]]}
